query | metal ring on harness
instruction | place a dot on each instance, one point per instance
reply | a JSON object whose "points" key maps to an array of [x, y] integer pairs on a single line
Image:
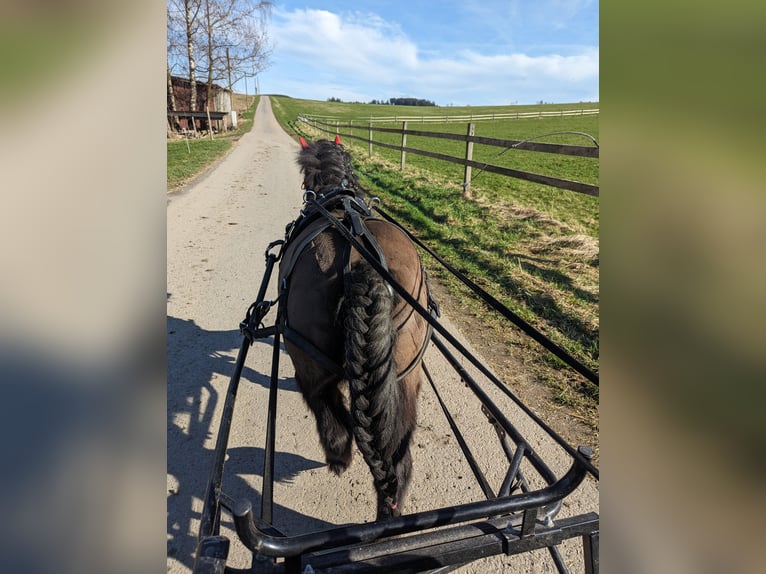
{"points": [[374, 202], [307, 197], [272, 245]]}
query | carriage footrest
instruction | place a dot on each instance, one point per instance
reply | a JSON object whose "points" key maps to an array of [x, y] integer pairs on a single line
{"points": [[444, 550]]}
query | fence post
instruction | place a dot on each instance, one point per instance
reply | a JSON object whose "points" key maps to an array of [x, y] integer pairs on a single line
{"points": [[468, 157], [404, 142], [370, 140]]}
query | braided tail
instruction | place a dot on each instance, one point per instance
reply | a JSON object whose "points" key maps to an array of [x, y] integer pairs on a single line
{"points": [[374, 391]]}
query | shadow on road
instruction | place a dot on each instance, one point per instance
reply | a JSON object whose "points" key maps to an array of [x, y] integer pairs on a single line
{"points": [[195, 356]]}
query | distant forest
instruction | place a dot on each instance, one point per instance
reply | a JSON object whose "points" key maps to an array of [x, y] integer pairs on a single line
{"points": [[392, 102]]}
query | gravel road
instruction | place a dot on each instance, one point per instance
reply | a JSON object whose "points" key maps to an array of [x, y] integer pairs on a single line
{"points": [[217, 231]]}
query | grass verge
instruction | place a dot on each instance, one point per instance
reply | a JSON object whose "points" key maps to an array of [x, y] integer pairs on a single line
{"points": [[187, 158]]}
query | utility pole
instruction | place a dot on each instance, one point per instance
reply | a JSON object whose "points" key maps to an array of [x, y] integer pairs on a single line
{"points": [[228, 69]]}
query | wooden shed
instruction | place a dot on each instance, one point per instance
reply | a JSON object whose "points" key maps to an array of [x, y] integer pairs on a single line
{"points": [[221, 114]]}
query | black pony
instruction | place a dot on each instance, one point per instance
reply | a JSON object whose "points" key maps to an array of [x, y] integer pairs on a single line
{"points": [[343, 324]]}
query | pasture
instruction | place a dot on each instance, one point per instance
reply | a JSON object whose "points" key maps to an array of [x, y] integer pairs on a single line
{"points": [[533, 247]]}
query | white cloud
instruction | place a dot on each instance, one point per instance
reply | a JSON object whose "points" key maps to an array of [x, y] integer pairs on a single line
{"points": [[361, 57], [571, 68], [356, 44]]}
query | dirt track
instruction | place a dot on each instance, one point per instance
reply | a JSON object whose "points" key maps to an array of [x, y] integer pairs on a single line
{"points": [[218, 229]]}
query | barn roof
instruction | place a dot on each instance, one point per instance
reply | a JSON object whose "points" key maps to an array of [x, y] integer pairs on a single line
{"points": [[180, 80]]}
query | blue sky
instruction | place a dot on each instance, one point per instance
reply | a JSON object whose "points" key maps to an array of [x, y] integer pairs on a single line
{"points": [[450, 52]]}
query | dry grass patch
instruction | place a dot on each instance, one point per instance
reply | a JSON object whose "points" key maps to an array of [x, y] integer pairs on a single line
{"points": [[516, 213], [579, 247]]}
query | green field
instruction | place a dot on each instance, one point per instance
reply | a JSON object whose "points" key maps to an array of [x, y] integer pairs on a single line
{"points": [[562, 204], [533, 247]]}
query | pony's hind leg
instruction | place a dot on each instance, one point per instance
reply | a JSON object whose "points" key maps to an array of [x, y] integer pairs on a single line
{"points": [[402, 458], [388, 508], [402, 462], [333, 425], [403, 468]]}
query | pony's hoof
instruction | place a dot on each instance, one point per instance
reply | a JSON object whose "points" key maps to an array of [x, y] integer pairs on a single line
{"points": [[337, 467], [387, 512]]}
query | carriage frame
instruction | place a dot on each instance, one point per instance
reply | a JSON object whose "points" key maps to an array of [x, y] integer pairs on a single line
{"points": [[514, 520]]}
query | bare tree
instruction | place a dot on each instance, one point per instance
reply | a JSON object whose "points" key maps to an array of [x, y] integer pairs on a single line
{"points": [[192, 8], [172, 123], [248, 48], [235, 38], [221, 40], [175, 52], [183, 41], [170, 42]]}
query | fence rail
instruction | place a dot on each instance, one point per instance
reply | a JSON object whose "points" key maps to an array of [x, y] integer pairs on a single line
{"points": [[467, 161], [463, 118]]}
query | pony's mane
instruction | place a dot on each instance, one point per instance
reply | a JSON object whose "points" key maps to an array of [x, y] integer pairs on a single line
{"points": [[324, 165]]}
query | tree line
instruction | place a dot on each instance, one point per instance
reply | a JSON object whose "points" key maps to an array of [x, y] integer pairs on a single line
{"points": [[216, 41], [393, 102]]}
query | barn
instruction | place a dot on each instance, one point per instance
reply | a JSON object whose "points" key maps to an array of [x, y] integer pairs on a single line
{"points": [[180, 117]]}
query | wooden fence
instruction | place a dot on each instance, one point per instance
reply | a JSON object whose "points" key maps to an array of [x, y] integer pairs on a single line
{"points": [[467, 161], [465, 117]]}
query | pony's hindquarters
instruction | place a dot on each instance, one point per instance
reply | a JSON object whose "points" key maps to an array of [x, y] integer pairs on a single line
{"points": [[341, 322]]}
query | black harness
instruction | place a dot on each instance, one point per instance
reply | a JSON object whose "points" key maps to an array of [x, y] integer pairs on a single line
{"points": [[340, 209], [354, 213]]}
